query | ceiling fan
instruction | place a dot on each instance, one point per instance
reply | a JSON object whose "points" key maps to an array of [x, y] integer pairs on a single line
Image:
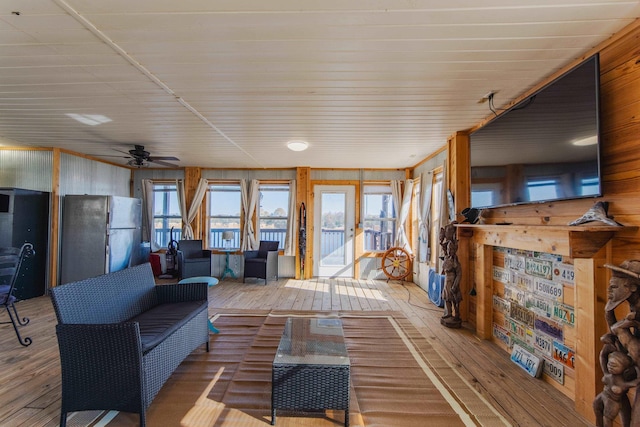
{"points": [[140, 158]]}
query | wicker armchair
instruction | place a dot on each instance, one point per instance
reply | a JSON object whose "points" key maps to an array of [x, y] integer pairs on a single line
{"points": [[262, 263], [193, 261]]}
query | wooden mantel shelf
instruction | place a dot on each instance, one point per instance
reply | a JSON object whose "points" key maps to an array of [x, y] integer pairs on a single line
{"points": [[582, 241]]}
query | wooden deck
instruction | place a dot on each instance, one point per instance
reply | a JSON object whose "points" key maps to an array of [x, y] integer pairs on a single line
{"points": [[30, 377]]}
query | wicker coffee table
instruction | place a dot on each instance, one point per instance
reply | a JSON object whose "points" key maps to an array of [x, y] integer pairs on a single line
{"points": [[311, 368]]}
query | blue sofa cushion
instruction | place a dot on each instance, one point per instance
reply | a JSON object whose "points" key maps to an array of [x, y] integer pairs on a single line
{"points": [[162, 320]]}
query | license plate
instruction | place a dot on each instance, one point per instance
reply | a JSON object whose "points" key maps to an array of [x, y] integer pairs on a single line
{"points": [[539, 268], [522, 314], [548, 289], [526, 360], [501, 334], [564, 355], [543, 344], [501, 275], [549, 327], [540, 306], [514, 262], [564, 314], [554, 370], [501, 305], [523, 281], [515, 294], [564, 273]]}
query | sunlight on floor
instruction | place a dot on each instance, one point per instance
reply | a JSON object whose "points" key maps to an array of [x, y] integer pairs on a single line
{"points": [[339, 289]]}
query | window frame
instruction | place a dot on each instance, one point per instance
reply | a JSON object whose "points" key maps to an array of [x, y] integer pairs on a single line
{"points": [[165, 218], [275, 186], [209, 217], [375, 189]]}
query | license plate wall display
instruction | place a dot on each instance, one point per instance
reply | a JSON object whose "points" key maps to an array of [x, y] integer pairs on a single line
{"points": [[533, 313]]}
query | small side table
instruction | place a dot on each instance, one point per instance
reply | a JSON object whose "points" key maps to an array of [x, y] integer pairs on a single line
{"points": [[211, 281], [227, 268]]}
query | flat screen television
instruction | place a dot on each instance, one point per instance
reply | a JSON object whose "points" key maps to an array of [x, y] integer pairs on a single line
{"points": [[545, 148]]}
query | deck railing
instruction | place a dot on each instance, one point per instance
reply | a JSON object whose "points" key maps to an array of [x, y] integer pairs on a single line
{"points": [[333, 240]]}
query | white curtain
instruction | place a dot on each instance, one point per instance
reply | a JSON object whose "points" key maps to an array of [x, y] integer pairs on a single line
{"points": [[201, 190], [424, 216], [290, 237], [402, 205], [147, 223], [182, 204], [250, 193]]}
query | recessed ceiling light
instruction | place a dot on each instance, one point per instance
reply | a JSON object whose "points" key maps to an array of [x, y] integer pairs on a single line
{"points": [[90, 119], [297, 145], [590, 140]]}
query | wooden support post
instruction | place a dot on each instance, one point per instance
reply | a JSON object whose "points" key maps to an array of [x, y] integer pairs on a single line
{"points": [[303, 189], [54, 255], [590, 298], [484, 291], [191, 179]]}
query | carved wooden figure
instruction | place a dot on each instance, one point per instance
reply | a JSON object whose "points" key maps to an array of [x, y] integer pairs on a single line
{"points": [[452, 271], [620, 355]]}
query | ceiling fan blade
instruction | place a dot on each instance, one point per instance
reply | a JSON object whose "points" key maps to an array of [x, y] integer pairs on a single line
{"points": [[160, 162], [123, 152], [108, 155], [154, 158]]}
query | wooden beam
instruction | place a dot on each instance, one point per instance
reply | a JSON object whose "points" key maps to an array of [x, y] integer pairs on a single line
{"points": [[54, 255], [303, 190], [484, 291], [192, 177], [590, 298], [566, 240]]}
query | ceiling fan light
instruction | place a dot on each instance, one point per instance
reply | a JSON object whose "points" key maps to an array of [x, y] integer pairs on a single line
{"points": [[137, 163], [297, 145]]}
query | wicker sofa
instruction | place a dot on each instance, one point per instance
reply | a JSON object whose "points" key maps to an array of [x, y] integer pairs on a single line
{"points": [[121, 336]]}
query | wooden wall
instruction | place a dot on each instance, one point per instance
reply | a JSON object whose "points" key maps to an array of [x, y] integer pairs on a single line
{"points": [[620, 165]]}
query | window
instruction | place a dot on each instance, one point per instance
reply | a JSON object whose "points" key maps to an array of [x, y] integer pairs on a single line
{"points": [[225, 205], [166, 214], [379, 218], [274, 212]]}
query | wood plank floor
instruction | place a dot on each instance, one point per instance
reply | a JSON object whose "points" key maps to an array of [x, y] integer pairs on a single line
{"points": [[30, 376]]}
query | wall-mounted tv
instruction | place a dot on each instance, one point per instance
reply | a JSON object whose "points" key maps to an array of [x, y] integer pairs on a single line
{"points": [[545, 148]]}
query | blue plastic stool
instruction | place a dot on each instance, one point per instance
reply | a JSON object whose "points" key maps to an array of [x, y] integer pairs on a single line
{"points": [[211, 281]]}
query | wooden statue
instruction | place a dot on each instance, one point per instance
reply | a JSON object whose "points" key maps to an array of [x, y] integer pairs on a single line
{"points": [[452, 271], [620, 355]]}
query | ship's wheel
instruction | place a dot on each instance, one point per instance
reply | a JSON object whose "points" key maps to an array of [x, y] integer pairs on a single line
{"points": [[396, 263]]}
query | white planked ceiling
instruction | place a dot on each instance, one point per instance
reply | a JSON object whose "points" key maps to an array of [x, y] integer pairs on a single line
{"points": [[368, 83]]}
